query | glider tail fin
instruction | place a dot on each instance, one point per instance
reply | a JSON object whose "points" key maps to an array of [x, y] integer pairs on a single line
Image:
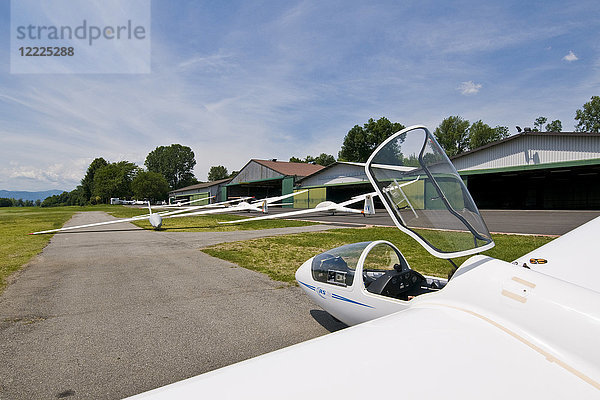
{"points": [[369, 207]]}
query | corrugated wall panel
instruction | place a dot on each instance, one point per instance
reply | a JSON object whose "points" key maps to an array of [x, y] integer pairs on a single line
{"points": [[341, 173], [531, 150], [254, 172], [311, 198]]}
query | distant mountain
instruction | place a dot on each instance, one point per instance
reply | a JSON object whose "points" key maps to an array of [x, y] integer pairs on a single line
{"points": [[14, 194]]}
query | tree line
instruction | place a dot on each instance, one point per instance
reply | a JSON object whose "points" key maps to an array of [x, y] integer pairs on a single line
{"points": [[11, 202], [167, 168], [456, 134]]}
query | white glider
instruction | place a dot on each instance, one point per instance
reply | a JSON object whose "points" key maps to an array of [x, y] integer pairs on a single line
{"points": [[495, 330], [184, 203], [325, 206], [256, 206], [155, 219]]}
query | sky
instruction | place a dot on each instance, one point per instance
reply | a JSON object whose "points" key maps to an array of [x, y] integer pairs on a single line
{"points": [[236, 80]]}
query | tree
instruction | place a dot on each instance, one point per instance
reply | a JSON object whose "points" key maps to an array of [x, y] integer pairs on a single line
{"points": [[481, 134], [77, 197], [114, 180], [322, 159], [539, 123], [175, 163], [72, 198], [87, 183], [149, 185], [217, 172], [5, 202], [453, 135], [360, 142], [589, 116], [554, 126]]}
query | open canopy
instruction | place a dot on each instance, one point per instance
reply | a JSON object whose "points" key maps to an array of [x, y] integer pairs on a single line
{"points": [[425, 196]]}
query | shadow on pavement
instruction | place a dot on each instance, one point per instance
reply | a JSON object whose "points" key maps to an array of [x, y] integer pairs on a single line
{"points": [[327, 321]]}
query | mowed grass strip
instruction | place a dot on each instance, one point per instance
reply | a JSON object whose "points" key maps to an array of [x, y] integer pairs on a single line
{"points": [[210, 223], [17, 247], [279, 257]]}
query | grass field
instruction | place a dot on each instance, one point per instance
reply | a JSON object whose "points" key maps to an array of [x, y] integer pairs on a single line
{"points": [[17, 247], [279, 257], [210, 223]]}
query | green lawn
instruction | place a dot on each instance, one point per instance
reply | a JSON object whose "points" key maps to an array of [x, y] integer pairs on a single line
{"points": [[16, 246], [279, 257], [210, 223]]}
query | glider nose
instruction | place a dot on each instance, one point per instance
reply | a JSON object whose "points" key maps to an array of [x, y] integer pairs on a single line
{"points": [[304, 274], [155, 220]]}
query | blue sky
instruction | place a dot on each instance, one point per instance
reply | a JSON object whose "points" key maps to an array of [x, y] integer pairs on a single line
{"points": [[271, 79]]}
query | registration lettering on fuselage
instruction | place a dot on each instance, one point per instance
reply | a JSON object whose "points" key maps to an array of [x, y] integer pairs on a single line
{"points": [[321, 292]]}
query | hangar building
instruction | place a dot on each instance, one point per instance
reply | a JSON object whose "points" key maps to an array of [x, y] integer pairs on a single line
{"points": [[535, 170], [200, 191], [336, 182], [258, 178], [268, 178], [529, 170]]}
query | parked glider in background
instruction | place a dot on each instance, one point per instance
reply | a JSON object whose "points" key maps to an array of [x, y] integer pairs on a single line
{"points": [[244, 205], [325, 206], [185, 203], [495, 329], [155, 219]]}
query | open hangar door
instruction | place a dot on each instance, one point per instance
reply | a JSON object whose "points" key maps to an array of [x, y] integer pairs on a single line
{"points": [[570, 188], [258, 190], [341, 193]]}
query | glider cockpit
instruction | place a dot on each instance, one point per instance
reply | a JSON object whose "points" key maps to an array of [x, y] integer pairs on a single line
{"points": [[383, 268], [386, 284]]}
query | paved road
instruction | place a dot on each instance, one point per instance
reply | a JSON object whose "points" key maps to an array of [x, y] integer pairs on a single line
{"points": [[105, 315], [498, 221]]}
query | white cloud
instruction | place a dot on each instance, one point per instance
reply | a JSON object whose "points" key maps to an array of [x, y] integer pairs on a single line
{"points": [[215, 62], [60, 175], [470, 87], [570, 57]]}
